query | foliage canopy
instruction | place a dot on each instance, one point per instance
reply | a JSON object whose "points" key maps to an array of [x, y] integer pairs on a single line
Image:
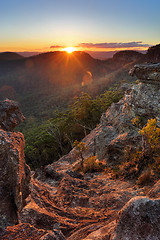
{"points": [[55, 137]]}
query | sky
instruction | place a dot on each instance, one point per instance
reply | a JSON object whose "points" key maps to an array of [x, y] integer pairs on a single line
{"points": [[93, 25]]}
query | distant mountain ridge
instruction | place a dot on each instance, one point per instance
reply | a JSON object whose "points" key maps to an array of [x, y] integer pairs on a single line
{"points": [[9, 56], [46, 78]]}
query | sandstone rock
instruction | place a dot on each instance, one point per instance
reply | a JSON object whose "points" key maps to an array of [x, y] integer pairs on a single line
{"points": [[139, 219], [116, 130], [10, 115], [14, 173], [14, 177], [76, 206], [52, 173], [147, 72], [155, 191], [25, 231], [75, 174], [103, 233], [42, 212]]}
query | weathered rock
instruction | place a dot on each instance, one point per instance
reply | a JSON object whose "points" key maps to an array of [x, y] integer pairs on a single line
{"points": [[10, 115], [52, 173], [139, 219], [25, 231], [76, 206], [14, 177], [42, 212], [155, 191], [116, 130], [103, 233], [75, 174], [147, 72], [14, 173]]}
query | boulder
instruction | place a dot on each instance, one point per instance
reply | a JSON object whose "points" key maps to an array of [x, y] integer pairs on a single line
{"points": [[139, 219], [10, 115]]}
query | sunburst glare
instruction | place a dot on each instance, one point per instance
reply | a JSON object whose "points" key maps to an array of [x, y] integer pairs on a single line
{"points": [[70, 49]]}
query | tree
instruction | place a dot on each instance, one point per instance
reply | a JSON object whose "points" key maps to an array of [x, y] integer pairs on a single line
{"points": [[80, 148]]}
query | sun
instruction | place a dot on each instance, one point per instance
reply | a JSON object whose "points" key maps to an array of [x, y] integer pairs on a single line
{"points": [[70, 49]]}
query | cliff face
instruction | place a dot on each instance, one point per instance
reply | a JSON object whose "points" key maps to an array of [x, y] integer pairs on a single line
{"points": [[14, 173], [116, 129]]}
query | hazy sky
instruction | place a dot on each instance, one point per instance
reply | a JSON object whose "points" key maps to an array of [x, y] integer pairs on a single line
{"points": [[36, 25]]}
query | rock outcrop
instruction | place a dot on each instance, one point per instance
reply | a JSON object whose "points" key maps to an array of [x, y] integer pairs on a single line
{"points": [[10, 115], [139, 219], [116, 130], [14, 173], [147, 72]]}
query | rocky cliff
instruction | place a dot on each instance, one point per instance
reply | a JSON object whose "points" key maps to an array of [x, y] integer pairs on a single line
{"points": [[65, 204], [14, 173], [15, 177]]}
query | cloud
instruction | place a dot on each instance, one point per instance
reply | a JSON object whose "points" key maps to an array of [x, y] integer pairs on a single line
{"points": [[114, 45], [56, 46]]}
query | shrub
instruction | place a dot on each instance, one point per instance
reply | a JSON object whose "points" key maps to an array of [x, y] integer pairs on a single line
{"points": [[151, 134], [145, 178], [145, 156], [92, 164], [80, 148]]}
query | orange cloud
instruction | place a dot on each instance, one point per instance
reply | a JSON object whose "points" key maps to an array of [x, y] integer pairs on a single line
{"points": [[57, 46]]}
